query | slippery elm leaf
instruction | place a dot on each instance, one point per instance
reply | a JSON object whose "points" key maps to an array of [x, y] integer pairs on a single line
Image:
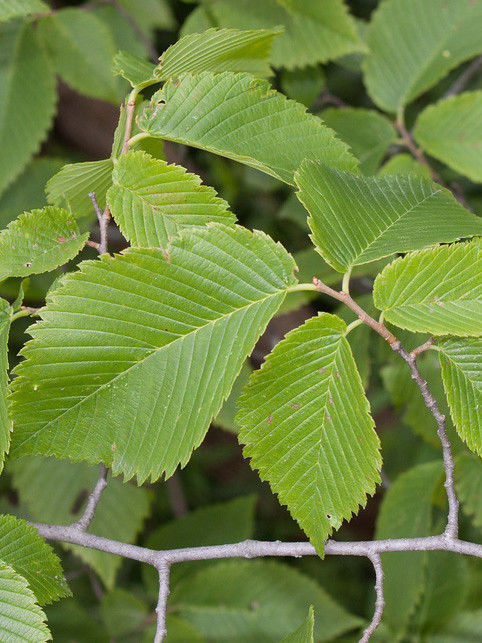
{"points": [[355, 220], [151, 200], [19, 8], [304, 634], [166, 356], [468, 483], [367, 132], [23, 65], [5, 420], [461, 363], [39, 241], [29, 555], [21, 619], [70, 187], [218, 50], [306, 426], [244, 119], [437, 290], [403, 164], [459, 118], [139, 72], [82, 48], [413, 44], [314, 32]]}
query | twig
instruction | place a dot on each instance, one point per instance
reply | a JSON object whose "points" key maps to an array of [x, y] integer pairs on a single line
{"points": [[422, 348], [130, 108], [430, 402], [379, 602], [416, 151], [176, 496], [161, 629], [83, 523], [464, 78], [103, 218]]}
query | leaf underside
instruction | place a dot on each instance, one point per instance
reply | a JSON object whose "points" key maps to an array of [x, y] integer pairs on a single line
{"points": [[461, 363], [437, 290], [306, 426], [151, 200], [155, 342], [355, 220], [242, 118]]}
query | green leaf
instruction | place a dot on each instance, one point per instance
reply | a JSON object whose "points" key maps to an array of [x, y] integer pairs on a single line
{"points": [[122, 28], [304, 634], [150, 14], [303, 85], [468, 481], [461, 362], [225, 417], [445, 589], [70, 187], [188, 319], [368, 133], [28, 190], [463, 628], [313, 33], [413, 44], [139, 72], [218, 50], [256, 601], [19, 8], [5, 421], [405, 512], [460, 120], [256, 126], [307, 428], [39, 241], [404, 164], [21, 619], [23, 549], [51, 490], [437, 290], [81, 47], [151, 200], [356, 220], [23, 66], [123, 612], [216, 524]]}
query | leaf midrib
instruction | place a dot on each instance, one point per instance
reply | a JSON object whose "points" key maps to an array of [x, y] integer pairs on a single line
{"points": [[147, 356]]}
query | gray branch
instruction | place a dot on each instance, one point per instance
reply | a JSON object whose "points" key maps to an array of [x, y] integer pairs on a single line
{"points": [[161, 630], [103, 218], [83, 523], [380, 600], [463, 80]]}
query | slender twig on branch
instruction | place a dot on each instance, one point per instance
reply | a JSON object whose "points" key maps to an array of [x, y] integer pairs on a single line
{"points": [[130, 108], [103, 218], [462, 81], [416, 151], [83, 523], [430, 402], [422, 348], [379, 602], [161, 630]]}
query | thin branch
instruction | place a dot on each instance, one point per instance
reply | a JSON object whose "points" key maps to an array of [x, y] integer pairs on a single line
{"points": [[254, 548], [380, 600], [416, 151], [161, 629], [430, 402], [422, 348], [84, 522], [362, 315], [463, 80], [130, 108], [103, 218]]}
